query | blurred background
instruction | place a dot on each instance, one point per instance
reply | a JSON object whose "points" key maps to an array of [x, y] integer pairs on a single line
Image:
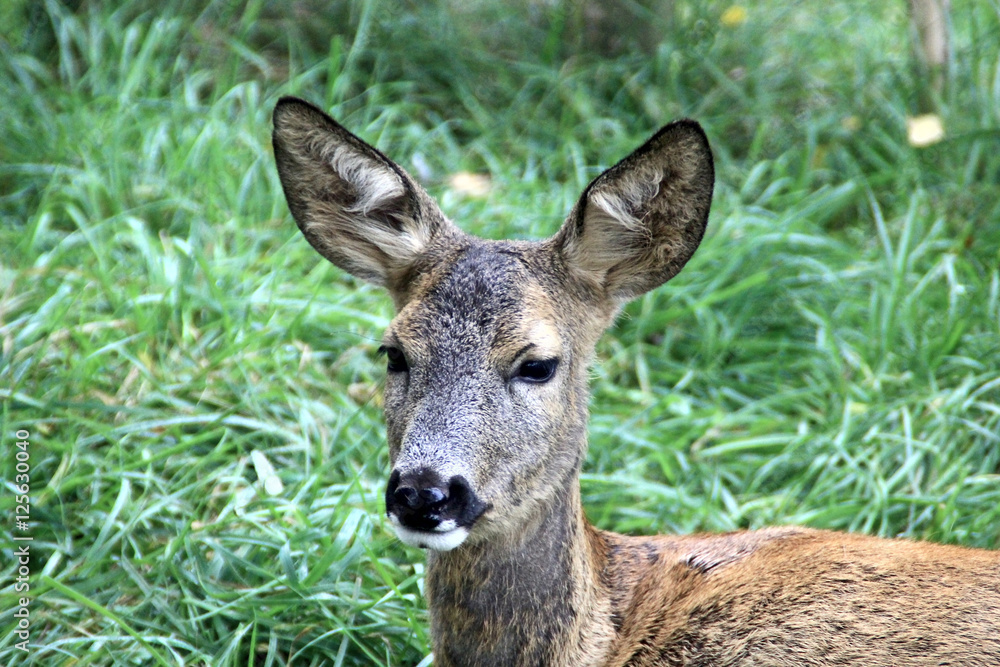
{"points": [[202, 390]]}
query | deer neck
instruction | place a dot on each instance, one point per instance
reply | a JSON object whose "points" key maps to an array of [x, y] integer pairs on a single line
{"points": [[537, 601]]}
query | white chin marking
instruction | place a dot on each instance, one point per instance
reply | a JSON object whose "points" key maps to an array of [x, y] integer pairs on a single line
{"points": [[438, 541]]}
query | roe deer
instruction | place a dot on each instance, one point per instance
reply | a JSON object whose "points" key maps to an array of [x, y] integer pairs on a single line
{"points": [[486, 413]]}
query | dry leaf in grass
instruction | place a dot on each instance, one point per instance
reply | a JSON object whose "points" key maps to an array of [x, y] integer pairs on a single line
{"points": [[469, 184], [924, 130]]}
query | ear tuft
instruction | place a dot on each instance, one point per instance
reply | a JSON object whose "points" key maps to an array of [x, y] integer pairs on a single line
{"points": [[373, 185], [639, 222]]}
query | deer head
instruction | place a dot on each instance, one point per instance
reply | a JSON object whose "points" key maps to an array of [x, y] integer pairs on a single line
{"points": [[487, 356]]}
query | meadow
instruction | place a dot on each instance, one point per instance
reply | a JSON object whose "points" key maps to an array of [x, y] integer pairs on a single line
{"points": [[201, 390]]}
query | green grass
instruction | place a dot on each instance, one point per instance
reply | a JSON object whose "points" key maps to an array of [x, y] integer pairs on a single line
{"points": [[830, 357]]}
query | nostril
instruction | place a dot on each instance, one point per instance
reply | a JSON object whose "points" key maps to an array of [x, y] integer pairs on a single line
{"points": [[433, 495], [407, 495]]}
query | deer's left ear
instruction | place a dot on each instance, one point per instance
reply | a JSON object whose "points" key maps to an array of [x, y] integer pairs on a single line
{"points": [[638, 223]]}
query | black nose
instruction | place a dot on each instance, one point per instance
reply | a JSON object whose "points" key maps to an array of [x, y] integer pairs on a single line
{"points": [[421, 500], [410, 495]]}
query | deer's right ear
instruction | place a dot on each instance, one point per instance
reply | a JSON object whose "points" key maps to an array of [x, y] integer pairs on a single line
{"points": [[355, 206]]}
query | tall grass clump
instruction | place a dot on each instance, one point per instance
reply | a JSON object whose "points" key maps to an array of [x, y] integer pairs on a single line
{"points": [[202, 393]]}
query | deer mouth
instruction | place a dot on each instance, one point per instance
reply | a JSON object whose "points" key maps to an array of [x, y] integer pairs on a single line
{"points": [[445, 537]]}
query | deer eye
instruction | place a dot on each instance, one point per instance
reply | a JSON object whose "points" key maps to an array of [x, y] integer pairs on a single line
{"points": [[537, 370], [396, 360]]}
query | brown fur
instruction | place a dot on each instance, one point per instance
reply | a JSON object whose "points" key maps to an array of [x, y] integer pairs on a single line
{"points": [[529, 581]]}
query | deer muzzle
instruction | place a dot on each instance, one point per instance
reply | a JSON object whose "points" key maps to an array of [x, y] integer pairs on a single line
{"points": [[429, 511]]}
